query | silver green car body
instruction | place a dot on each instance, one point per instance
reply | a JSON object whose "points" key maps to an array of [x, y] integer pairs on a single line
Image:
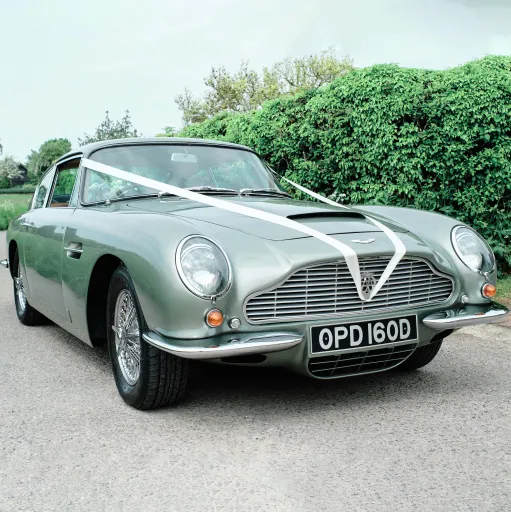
{"points": [[67, 255]]}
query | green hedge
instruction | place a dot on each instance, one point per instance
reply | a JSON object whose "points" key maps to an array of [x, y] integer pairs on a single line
{"points": [[25, 189], [9, 211], [433, 140]]}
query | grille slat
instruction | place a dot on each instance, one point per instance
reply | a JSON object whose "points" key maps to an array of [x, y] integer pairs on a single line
{"points": [[317, 297], [329, 290], [364, 361]]}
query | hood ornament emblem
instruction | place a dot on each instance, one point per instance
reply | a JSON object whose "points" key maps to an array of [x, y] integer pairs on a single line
{"points": [[368, 241]]}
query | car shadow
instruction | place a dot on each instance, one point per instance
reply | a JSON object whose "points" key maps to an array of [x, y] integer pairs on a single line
{"points": [[258, 389]]}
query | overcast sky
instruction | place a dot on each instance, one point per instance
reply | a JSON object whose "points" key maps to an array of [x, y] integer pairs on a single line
{"points": [[63, 63]]}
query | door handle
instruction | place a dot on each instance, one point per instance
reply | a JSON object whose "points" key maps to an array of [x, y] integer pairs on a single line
{"points": [[74, 250]]}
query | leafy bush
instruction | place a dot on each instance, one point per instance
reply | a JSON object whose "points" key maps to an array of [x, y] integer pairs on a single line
{"points": [[9, 211], [433, 140], [4, 182], [24, 189]]}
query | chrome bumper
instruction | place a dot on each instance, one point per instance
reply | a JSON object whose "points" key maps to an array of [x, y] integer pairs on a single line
{"points": [[4, 263], [227, 346], [470, 315]]}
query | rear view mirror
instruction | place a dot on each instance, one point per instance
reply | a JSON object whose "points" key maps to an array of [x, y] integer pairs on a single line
{"points": [[186, 158]]}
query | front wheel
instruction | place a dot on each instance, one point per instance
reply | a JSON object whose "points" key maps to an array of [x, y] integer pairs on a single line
{"points": [[146, 377], [420, 357]]}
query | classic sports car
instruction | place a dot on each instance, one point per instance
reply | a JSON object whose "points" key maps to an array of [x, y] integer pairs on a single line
{"points": [[172, 250]]}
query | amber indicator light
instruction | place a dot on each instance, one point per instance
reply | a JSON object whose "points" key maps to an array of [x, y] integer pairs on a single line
{"points": [[214, 318], [489, 291]]}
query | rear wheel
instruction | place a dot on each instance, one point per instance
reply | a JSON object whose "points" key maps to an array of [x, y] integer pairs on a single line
{"points": [[420, 357], [146, 377], [27, 315]]}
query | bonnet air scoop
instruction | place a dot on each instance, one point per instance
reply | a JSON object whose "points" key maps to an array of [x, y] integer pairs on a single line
{"points": [[325, 216]]}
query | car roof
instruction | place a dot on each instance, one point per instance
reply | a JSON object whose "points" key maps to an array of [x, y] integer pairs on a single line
{"points": [[88, 149]]}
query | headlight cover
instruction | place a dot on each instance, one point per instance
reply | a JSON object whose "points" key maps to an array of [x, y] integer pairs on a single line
{"points": [[472, 249], [203, 267]]}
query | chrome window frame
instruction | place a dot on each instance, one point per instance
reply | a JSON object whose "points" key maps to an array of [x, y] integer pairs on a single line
{"points": [[76, 183]]}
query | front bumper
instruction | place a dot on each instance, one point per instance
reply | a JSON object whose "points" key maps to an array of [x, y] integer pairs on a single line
{"points": [[466, 316], [238, 344], [227, 345]]}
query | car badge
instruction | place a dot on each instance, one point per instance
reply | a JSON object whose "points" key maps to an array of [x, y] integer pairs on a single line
{"points": [[367, 282], [368, 241]]}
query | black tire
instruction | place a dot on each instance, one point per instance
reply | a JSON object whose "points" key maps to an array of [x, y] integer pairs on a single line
{"points": [[421, 357], [163, 377], [26, 315]]}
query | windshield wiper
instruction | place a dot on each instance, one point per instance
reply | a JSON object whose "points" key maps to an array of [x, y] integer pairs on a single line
{"points": [[140, 196], [213, 190], [263, 192]]}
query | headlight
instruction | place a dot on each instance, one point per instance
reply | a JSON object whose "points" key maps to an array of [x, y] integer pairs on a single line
{"points": [[203, 267], [472, 249]]}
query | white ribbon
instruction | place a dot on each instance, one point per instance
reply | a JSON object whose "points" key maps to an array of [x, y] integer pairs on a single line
{"points": [[399, 247], [348, 253]]}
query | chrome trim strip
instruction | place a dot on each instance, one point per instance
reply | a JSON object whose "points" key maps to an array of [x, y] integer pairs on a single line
{"points": [[354, 312], [458, 318], [4, 263], [239, 345]]}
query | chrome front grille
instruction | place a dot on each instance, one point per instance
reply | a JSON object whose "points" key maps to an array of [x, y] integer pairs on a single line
{"points": [[328, 290], [366, 361]]}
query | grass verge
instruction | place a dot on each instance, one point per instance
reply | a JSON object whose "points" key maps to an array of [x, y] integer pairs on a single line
{"points": [[504, 290]]}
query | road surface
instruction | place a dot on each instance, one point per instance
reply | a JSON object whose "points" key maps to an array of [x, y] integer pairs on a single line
{"points": [[437, 439]]}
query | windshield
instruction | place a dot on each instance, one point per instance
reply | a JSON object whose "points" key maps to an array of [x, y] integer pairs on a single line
{"points": [[185, 166]]}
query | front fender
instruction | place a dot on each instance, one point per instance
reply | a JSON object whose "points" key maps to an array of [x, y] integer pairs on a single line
{"points": [[435, 231]]}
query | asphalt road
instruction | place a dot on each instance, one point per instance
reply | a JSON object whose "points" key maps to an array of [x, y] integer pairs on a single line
{"points": [[437, 439]]}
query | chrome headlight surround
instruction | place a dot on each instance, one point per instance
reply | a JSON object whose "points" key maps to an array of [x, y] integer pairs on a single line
{"points": [[211, 251], [464, 240]]}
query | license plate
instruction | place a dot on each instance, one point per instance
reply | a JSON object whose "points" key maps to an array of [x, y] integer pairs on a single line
{"points": [[363, 334]]}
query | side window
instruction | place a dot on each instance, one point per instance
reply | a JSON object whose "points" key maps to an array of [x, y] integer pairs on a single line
{"points": [[64, 184], [42, 190]]}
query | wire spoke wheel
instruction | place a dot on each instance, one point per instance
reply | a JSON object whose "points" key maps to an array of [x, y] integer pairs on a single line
{"points": [[20, 290], [127, 337]]}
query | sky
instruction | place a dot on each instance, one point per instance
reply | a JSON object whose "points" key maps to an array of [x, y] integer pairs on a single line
{"points": [[64, 63]]}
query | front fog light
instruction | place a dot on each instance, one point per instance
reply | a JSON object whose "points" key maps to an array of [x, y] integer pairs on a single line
{"points": [[234, 323]]}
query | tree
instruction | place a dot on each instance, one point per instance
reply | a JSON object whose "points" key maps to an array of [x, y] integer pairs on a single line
{"points": [[168, 131], [38, 162], [9, 168], [246, 89], [110, 129]]}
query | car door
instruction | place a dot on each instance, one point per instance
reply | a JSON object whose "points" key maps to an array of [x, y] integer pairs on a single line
{"points": [[44, 246]]}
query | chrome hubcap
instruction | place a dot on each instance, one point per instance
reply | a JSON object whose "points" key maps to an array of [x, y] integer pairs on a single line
{"points": [[20, 291], [127, 337]]}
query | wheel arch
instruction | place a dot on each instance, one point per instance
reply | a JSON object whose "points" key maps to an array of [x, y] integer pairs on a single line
{"points": [[13, 247], [97, 295]]}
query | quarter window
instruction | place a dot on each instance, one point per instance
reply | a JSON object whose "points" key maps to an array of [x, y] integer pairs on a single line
{"points": [[42, 191]]}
